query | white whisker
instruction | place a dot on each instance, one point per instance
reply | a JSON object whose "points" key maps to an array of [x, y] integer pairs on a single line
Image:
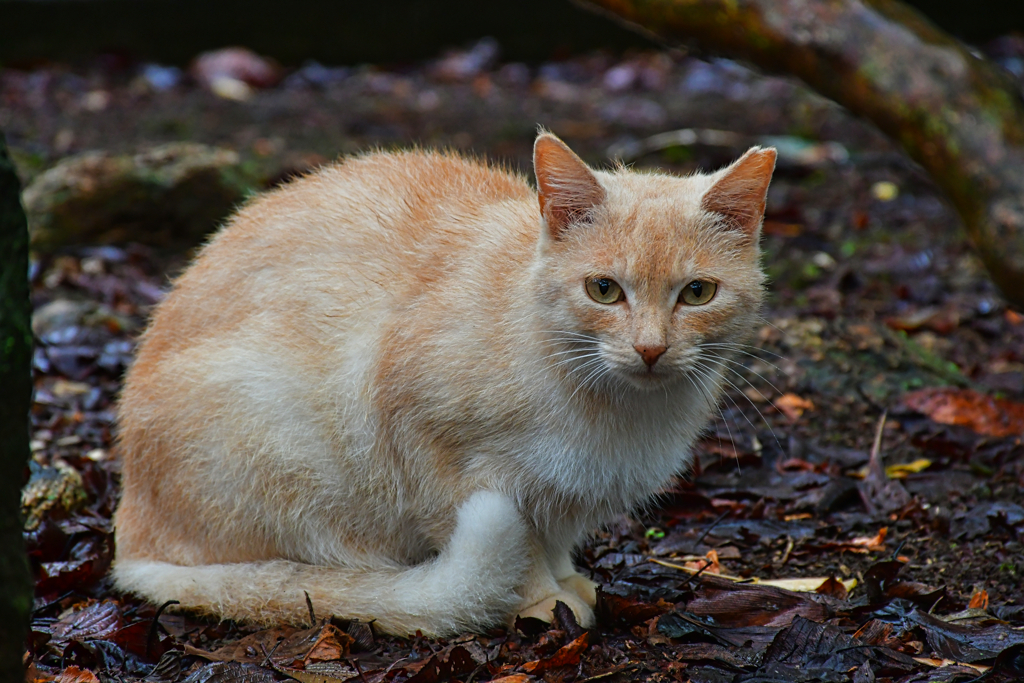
{"points": [[715, 358], [753, 405]]}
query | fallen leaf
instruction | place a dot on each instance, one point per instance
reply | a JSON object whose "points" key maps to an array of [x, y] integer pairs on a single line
{"points": [[324, 672], [454, 661], [874, 543], [97, 621], [73, 674], [807, 585], [33, 674], [901, 471], [967, 408], [231, 672], [629, 609], [709, 563], [834, 588], [290, 647], [734, 605], [937, 663], [792, 406], [567, 655]]}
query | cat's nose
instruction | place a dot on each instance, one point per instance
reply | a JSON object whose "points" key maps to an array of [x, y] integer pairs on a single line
{"points": [[650, 354]]}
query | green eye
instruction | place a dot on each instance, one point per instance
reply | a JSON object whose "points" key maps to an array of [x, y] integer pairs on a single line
{"points": [[698, 292], [604, 291]]}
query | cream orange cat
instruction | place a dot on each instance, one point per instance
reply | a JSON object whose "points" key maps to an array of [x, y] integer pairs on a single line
{"points": [[410, 385]]}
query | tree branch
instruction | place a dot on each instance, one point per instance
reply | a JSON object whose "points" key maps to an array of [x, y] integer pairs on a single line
{"points": [[954, 113]]}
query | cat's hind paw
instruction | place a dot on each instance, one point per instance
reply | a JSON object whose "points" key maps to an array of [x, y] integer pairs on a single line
{"points": [[544, 610]]}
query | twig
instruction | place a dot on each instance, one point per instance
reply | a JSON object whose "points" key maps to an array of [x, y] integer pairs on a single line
{"points": [[309, 606], [874, 460], [789, 549], [156, 623], [267, 659], [708, 530]]}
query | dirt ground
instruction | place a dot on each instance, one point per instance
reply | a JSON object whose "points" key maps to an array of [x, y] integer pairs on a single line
{"points": [[877, 306]]}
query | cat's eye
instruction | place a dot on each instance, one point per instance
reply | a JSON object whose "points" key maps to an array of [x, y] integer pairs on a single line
{"points": [[604, 291], [698, 292]]}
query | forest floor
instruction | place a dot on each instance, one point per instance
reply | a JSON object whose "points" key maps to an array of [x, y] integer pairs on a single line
{"points": [[880, 322]]}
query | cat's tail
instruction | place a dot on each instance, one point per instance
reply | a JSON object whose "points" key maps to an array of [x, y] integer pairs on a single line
{"points": [[470, 586]]}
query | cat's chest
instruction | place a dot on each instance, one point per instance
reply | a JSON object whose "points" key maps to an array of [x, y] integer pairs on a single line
{"points": [[622, 457]]}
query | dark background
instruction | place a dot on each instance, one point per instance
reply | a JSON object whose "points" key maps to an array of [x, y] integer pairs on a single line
{"points": [[356, 31]]}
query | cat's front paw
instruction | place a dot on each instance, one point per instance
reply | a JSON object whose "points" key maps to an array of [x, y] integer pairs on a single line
{"points": [[544, 609], [581, 586]]}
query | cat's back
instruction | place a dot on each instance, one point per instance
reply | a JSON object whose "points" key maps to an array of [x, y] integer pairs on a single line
{"points": [[330, 245]]}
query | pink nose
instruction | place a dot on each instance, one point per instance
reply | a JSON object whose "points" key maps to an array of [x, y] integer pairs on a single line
{"points": [[650, 354]]}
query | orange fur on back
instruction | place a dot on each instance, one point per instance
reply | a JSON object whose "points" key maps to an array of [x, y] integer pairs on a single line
{"points": [[390, 384]]}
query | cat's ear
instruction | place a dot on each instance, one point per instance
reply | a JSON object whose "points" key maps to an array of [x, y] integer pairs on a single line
{"points": [[567, 187], [739, 193]]}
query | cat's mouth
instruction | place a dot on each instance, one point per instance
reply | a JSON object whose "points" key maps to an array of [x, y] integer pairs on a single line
{"points": [[646, 377]]}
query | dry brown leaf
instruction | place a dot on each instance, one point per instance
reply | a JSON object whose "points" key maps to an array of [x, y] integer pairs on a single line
{"points": [[964, 407], [835, 588], [73, 674], [567, 655], [792, 406], [713, 568], [874, 543], [291, 648]]}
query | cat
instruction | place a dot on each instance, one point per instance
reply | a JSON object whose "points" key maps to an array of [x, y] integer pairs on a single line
{"points": [[411, 385]]}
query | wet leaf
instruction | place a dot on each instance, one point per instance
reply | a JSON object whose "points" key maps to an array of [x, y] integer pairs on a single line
{"points": [[629, 609], [691, 629], [732, 604], [59, 577], [99, 620]]}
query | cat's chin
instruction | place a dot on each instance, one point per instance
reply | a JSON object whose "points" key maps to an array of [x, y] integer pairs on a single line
{"points": [[647, 380]]}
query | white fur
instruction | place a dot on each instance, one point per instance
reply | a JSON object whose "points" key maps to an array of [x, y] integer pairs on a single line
{"points": [[471, 585]]}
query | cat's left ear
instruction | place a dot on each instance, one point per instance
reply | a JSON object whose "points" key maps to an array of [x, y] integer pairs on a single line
{"points": [[739, 193], [567, 187]]}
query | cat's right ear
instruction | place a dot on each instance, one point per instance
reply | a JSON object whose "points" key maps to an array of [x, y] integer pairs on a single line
{"points": [[567, 188]]}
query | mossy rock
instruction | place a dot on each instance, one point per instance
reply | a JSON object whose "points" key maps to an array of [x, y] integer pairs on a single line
{"points": [[171, 195]]}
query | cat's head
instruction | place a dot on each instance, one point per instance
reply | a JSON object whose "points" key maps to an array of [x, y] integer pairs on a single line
{"points": [[645, 277]]}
